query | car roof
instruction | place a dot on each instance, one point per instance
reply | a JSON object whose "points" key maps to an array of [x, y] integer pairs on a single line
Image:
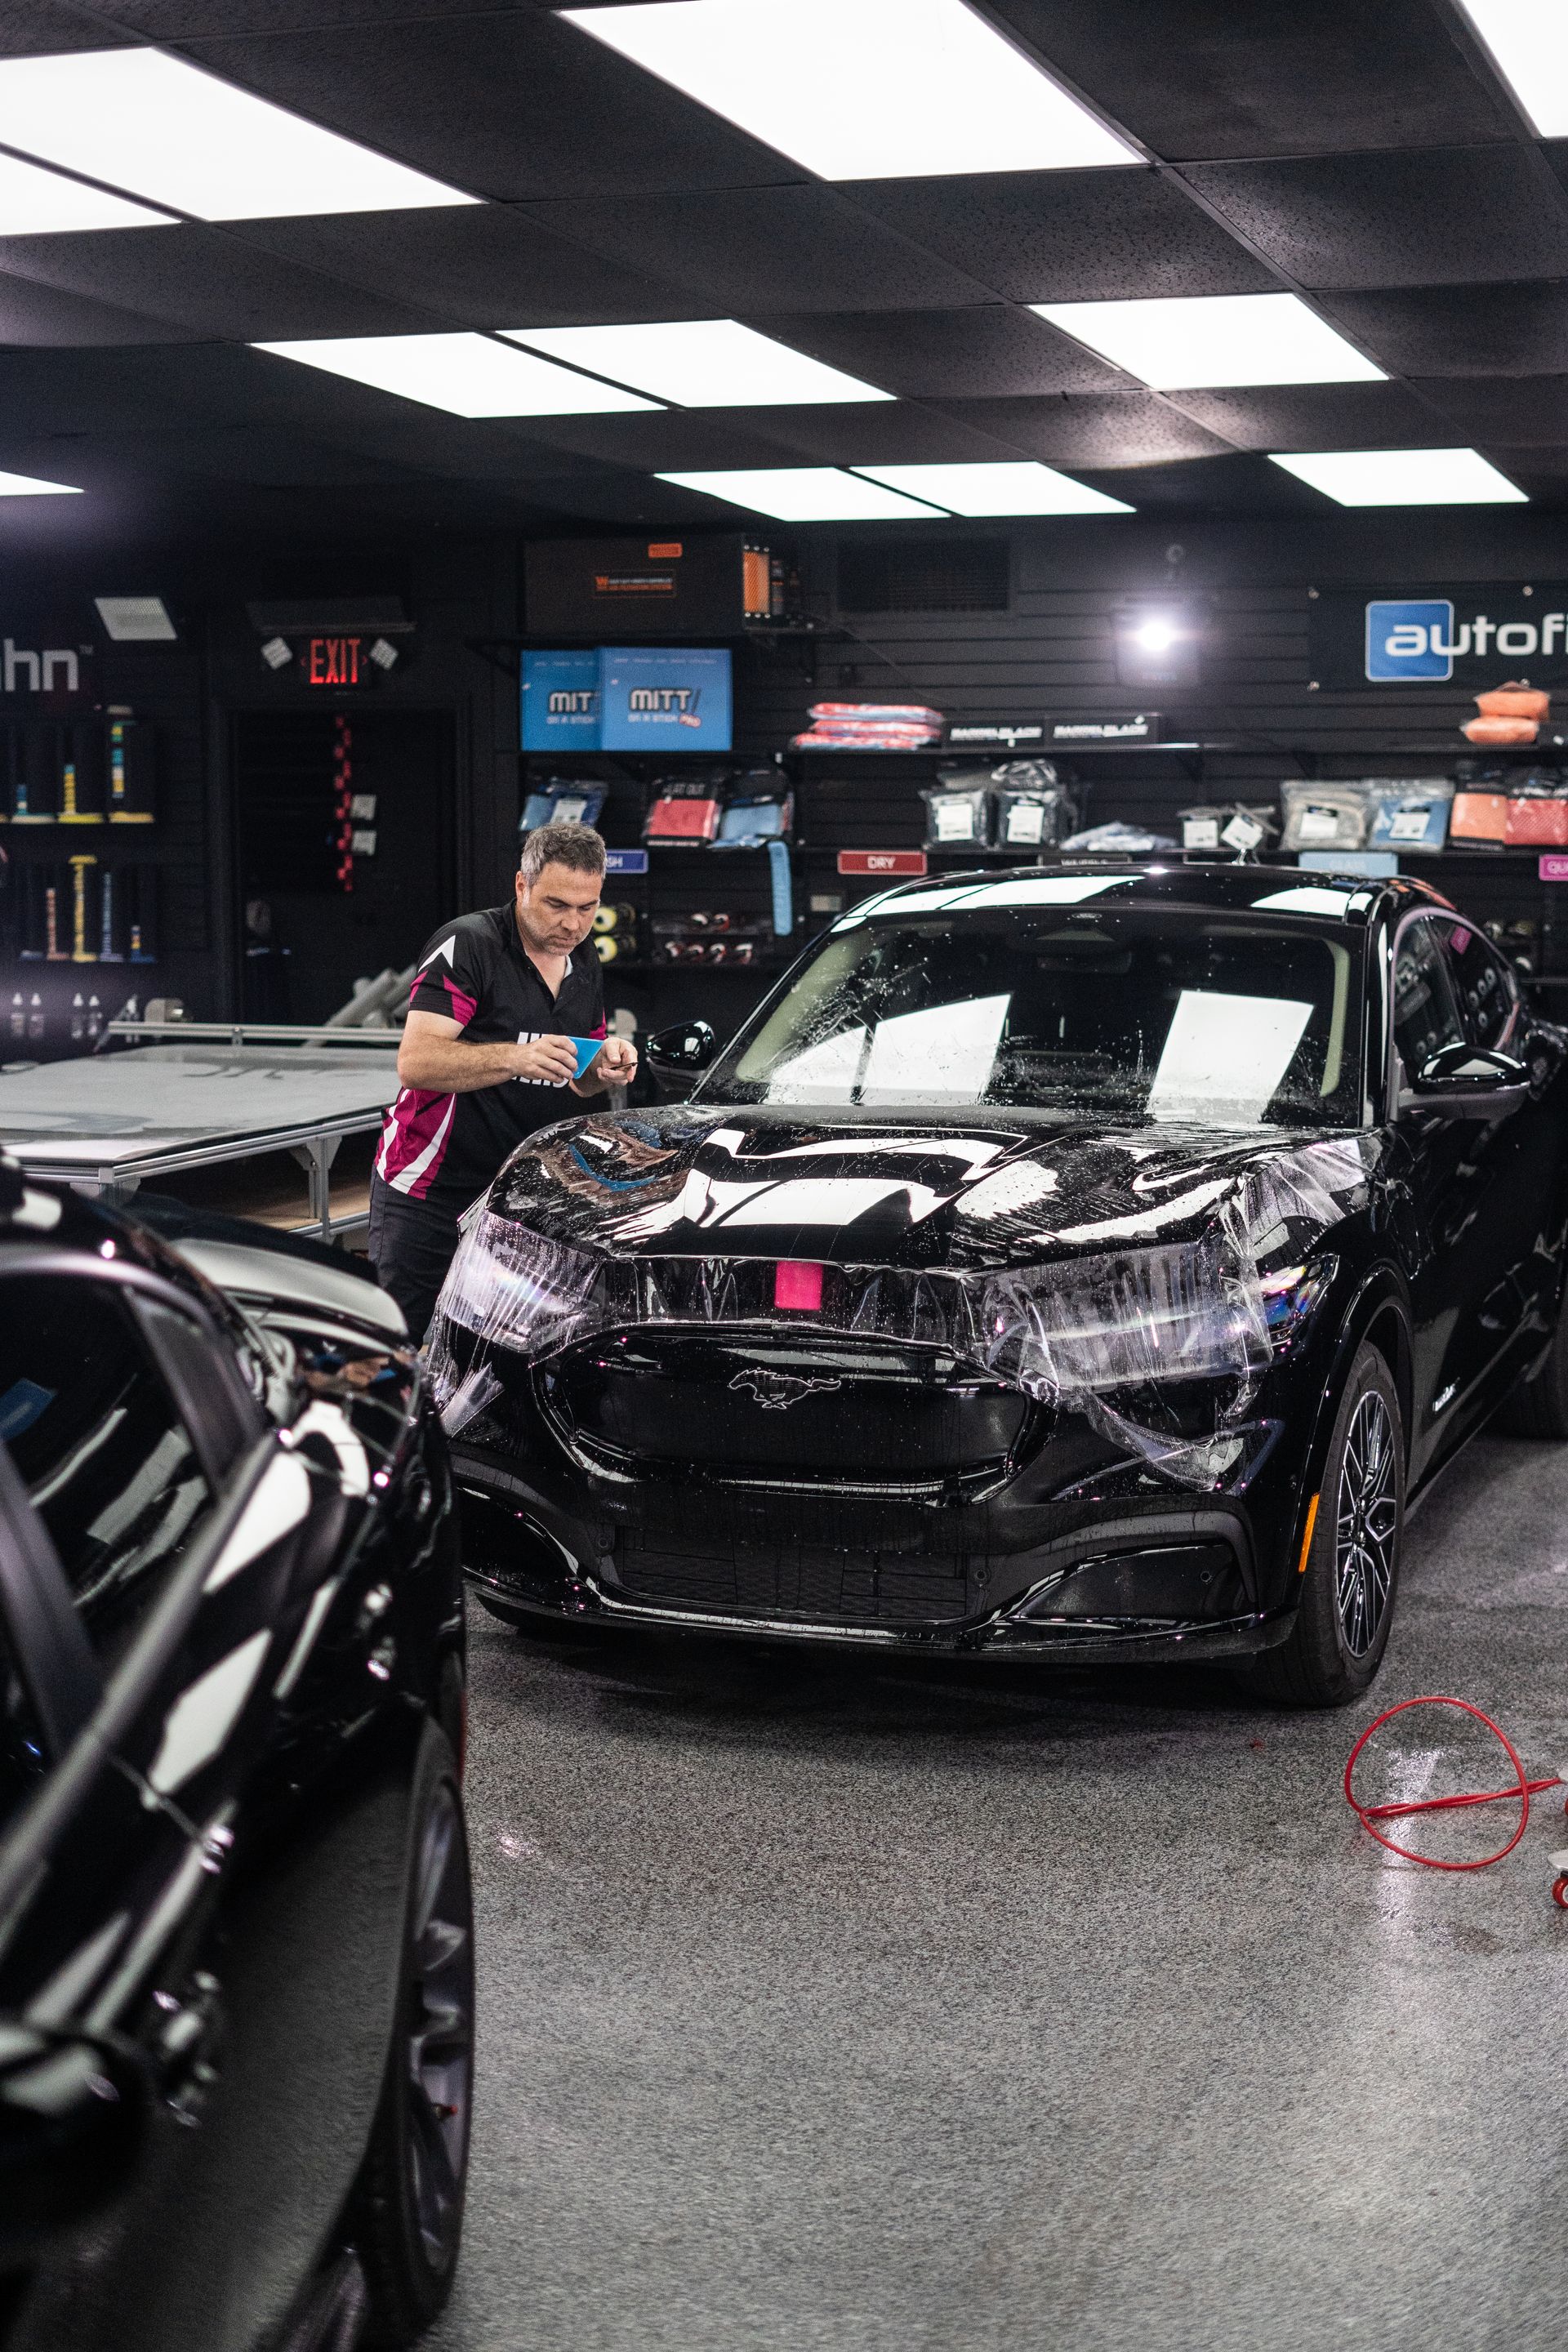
{"points": [[1285, 891]]}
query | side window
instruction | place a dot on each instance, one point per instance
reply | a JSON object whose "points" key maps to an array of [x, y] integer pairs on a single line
{"points": [[99, 1446], [1426, 1018], [1482, 983]]}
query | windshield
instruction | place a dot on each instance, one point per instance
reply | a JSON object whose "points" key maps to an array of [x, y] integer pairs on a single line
{"points": [[1172, 1015]]}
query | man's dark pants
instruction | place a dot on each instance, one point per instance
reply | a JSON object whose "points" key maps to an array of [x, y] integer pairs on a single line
{"points": [[411, 1246]]}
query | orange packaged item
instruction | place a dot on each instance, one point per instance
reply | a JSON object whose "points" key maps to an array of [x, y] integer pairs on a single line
{"points": [[1479, 816], [1514, 701], [1501, 731], [1537, 821]]}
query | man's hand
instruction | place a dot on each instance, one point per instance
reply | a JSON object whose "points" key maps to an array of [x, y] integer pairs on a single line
{"points": [[552, 1060], [614, 1064]]}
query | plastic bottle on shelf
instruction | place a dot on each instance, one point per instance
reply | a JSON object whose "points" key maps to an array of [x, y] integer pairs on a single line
{"points": [[18, 1016], [36, 1015], [94, 1017], [79, 1017]]}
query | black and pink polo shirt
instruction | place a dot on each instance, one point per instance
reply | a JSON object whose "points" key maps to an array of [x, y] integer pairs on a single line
{"points": [[445, 1149]]}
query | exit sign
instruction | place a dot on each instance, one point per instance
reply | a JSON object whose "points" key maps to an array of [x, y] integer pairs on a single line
{"points": [[333, 661]]}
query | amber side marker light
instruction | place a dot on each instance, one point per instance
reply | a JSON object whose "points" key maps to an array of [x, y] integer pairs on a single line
{"points": [[1306, 1537]]}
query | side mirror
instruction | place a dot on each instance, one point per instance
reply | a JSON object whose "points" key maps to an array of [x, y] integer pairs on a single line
{"points": [[677, 1057], [73, 2114], [1469, 1082]]}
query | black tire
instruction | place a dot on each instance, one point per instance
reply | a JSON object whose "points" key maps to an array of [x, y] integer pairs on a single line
{"points": [[408, 2219], [1538, 1407], [1351, 1576]]}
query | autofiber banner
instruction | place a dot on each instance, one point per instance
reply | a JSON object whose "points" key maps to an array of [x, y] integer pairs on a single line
{"points": [[1460, 634]]}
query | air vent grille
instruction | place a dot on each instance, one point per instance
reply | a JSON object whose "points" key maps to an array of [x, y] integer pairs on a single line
{"points": [[924, 575]]}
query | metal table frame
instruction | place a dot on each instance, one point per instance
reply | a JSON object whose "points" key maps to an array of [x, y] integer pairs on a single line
{"points": [[313, 1142]]}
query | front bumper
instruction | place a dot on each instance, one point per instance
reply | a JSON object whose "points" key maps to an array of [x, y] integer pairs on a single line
{"points": [[1172, 1582]]}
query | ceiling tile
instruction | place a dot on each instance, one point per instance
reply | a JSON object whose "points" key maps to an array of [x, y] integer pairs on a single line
{"points": [[470, 265], [195, 20], [678, 440], [1315, 416], [1099, 429], [756, 250], [97, 390], [1198, 78], [45, 318], [458, 449], [510, 103], [1044, 236], [987, 349], [885, 433], [204, 280], [42, 28], [1514, 408], [1239, 485], [1506, 329], [1438, 218], [272, 454]]}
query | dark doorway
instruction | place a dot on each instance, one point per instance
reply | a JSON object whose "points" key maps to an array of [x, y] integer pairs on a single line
{"points": [[343, 850]]}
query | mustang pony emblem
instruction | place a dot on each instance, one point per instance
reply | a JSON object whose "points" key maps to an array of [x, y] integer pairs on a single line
{"points": [[775, 1392]]}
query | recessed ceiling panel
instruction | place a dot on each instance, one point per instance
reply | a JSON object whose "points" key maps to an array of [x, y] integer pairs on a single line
{"points": [[1020, 489], [805, 494], [862, 88], [470, 376], [158, 127], [1402, 478], [1442, 218], [698, 363], [1042, 237], [1209, 339], [1201, 78], [758, 249]]}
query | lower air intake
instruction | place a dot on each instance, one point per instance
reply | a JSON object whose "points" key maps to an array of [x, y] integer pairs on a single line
{"points": [[820, 1587]]}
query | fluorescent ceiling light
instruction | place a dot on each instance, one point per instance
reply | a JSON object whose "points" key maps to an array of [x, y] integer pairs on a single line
{"points": [[468, 376], [165, 130], [1186, 343], [1529, 44], [863, 90], [700, 363], [1008, 488], [136, 620], [803, 493], [1405, 477], [22, 485], [35, 202]]}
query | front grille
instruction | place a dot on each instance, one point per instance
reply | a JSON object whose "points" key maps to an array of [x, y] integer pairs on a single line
{"points": [[832, 1588]]}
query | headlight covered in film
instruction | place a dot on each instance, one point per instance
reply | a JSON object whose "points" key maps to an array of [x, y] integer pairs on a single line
{"points": [[510, 1286]]}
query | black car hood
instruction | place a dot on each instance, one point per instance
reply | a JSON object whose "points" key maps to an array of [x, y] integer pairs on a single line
{"points": [[715, 1181]]}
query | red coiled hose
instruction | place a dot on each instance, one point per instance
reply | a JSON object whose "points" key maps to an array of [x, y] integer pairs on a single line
{"points": [[1523, 1790]]}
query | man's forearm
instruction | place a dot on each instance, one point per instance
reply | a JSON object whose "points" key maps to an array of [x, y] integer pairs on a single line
{"points": [[449, 1067]]}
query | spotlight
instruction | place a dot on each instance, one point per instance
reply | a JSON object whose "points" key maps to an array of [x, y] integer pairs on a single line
{"points": [[1158, 645], [382, 653], [277, 654]]}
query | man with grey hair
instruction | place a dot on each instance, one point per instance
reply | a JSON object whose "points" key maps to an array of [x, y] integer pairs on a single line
{"points": [[501, 1016]]}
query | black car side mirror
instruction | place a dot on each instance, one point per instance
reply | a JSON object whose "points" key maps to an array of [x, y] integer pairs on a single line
{"points": [[677, 1057], [73, 2114], [1469, 1082]]}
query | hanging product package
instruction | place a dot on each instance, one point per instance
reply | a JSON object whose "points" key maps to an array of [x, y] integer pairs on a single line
{"points": [[1323, 816], [685, 808], [1537, 815], [1033, 809], [1479, 818], [750, 821], [561, 802], [957, 820], [1118, 841], [1410, 816], [1514, 700], [1230, 825]]}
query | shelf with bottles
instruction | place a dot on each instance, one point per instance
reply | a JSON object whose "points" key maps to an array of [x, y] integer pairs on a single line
{"points": [[87, 772], [77, 910]]}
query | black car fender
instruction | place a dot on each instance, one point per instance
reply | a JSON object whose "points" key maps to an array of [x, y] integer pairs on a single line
{"points": [[1378, 1309]]}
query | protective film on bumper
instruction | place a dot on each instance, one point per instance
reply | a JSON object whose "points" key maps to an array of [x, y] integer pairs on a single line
{"points": [[1155, 1323]]}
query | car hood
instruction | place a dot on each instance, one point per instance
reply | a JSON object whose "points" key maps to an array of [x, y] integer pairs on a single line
{"points": [[714, 1182]]}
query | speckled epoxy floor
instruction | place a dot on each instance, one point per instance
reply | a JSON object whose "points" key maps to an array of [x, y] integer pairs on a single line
{"points": [[861, 2008]]}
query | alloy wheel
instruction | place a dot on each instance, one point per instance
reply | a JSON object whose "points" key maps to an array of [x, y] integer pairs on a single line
{"points": [[440, 2036], [1368, 1524]]}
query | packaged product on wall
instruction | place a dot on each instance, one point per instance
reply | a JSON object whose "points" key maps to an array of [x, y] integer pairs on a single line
{"points": [[1479, 818], [1410, 816], [1237, 827], [1118, 840], [871, 726], [685, 808], [1323, 816], [957, 819], [1537, 815], [1033, 807], [561, 802]]}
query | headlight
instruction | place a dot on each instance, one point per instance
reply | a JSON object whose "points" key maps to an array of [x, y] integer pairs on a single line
{"points": [[509, 1285], [1145, 1315]]}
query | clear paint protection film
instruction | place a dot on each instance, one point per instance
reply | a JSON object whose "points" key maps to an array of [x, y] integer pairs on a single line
{"points": [[1142, 1279]]}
